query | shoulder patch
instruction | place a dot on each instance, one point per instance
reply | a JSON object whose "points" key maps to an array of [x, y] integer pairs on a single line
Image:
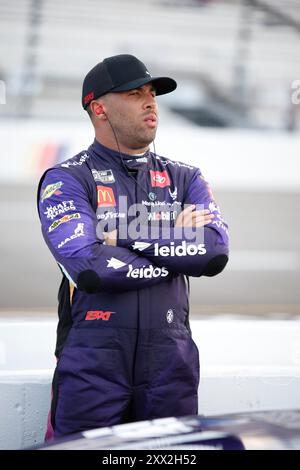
{"points": [[51, 189], [75, 161], [165, 161]]}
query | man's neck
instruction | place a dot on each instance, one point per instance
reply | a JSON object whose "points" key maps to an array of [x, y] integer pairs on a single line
{"points": [[112, 144]]}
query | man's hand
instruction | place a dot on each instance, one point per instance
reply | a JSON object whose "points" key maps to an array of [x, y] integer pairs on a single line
{"points": [[187, 218], [192, 218], [110, 238]]}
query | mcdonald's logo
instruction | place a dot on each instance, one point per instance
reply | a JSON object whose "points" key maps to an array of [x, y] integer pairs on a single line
{"points": [[105, 196]]}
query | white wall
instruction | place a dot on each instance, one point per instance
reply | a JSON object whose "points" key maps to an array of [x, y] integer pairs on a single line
{"points": [[245, 365], [229, 159]]}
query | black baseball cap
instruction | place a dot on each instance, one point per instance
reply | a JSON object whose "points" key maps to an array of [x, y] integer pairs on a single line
{"points": [[121, 73]]}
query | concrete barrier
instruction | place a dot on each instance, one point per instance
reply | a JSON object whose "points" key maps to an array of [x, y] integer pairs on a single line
{"points": [[245, 365]]}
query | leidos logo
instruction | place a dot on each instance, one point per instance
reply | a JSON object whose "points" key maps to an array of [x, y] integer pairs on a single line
{"points": [[115, 263], [105, 196], [179, 250], [98, 315], [146, 272], [159, 179]]}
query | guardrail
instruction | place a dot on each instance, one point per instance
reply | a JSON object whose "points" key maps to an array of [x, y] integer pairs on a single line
{"points": [[246, 365]]}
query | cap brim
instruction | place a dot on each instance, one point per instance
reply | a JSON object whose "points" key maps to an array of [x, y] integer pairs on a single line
{"points": [[162, 85]]}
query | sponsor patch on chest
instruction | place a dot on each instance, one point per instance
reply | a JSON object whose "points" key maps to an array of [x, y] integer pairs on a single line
{"points": [[104, 176], [105, 196]]}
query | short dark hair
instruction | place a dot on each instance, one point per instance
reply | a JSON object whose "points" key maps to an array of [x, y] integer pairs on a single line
{"points": [[89, 111]]}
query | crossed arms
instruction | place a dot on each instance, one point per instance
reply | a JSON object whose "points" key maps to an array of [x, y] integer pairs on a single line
{"points": [[69, 229]]}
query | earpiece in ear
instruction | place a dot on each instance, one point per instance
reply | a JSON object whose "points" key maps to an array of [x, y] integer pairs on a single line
{"points": [[100, 112]]}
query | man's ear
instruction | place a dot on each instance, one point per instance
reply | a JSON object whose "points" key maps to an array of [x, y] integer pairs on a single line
{"points": [[98, 110]]}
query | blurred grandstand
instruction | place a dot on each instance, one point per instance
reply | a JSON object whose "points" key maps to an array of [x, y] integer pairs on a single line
{"points": [[236, 62], [235, 59]]}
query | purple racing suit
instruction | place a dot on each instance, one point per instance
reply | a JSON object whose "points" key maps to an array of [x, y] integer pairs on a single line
{"points": [[124, 346]]}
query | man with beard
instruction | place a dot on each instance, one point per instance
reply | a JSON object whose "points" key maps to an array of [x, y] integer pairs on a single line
{"points": [[124, 345]]}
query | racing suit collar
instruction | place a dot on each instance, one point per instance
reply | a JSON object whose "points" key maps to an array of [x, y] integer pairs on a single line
{"points": [[101, 151]]}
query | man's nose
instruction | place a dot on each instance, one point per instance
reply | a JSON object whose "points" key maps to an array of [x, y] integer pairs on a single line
{"points": [[150, 102]]}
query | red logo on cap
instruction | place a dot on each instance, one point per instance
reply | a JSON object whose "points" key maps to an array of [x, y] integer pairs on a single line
{"points": [[159, 178], [88, 97]]}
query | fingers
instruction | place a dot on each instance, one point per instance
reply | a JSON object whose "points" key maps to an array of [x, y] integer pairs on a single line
{"points": [[194, 213], [203, 212], [110, 238], [194, 218], [201, 222], [189, 208], [202, 215]]}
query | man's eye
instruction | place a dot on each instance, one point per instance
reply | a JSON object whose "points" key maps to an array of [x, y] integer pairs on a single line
{"points": [[133, 92]]}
